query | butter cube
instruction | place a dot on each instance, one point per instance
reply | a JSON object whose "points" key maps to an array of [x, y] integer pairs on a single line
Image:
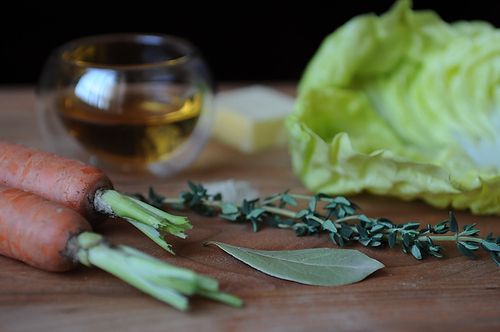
{"points": [[252, 119]]}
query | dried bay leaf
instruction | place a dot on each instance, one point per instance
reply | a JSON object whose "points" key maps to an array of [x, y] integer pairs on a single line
{"points": [[316, 266]]}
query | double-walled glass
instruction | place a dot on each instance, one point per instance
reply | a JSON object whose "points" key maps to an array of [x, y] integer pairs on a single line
{"points": [[128, 101]]}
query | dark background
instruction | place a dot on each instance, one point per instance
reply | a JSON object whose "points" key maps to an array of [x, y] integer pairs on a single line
{"points": [[241, 41]]}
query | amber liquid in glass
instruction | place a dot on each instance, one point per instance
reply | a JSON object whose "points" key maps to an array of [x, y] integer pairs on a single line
{"points": [[137, 133]]}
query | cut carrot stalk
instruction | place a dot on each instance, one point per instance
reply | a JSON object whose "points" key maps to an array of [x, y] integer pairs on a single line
{"points": [[163, 281], [153, 222], [53, 237], [85, 189]]}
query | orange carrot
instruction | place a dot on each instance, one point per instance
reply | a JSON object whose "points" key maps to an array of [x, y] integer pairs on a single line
{"points": [[36, 231], [69, 182], [83, 188], [52, 237]]}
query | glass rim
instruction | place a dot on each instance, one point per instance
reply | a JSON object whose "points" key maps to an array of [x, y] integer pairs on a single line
{"points": [[187, 50]]}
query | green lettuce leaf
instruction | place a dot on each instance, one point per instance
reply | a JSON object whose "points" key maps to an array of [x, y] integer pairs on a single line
{"points": [[406, 105]]}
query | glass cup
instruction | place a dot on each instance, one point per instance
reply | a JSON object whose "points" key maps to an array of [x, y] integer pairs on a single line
{"points": [[128, 102]]}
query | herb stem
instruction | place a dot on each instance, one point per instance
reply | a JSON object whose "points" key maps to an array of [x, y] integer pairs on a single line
{"points": [[337, 222], [271, 209], [318, 220], [349, 218], [341, 220], [453, 238], [301, 196], [283, 212]]}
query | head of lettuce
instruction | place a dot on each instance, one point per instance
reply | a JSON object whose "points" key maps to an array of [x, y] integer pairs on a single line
{"points": [[406, 105]]}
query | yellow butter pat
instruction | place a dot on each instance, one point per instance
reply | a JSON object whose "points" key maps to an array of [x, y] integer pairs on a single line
{"points": [[251, 119]]}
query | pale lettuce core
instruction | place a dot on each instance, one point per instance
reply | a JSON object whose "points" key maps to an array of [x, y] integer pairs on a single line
{"points": [[406, 105]]}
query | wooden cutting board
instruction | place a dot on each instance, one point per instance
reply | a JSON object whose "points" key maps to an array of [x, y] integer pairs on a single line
{"points": [[434, 295]]}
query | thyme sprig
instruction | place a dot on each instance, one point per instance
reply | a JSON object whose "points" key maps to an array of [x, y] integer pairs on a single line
{"points": [[338, 217]]}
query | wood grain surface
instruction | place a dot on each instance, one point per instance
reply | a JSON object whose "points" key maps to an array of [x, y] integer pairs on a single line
{"points": [[432, 295]]}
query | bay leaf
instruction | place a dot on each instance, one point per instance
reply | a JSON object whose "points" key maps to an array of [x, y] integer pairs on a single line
{"points": [[316, 266]]}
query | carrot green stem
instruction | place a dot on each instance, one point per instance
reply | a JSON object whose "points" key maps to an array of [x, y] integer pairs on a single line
{"points": [[153, 222], [222, 297], [159, 279]]}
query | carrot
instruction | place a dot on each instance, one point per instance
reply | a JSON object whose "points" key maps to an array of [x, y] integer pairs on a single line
{"points": [[69, 182], [83, 188], [37, 231], [55, 238]]}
